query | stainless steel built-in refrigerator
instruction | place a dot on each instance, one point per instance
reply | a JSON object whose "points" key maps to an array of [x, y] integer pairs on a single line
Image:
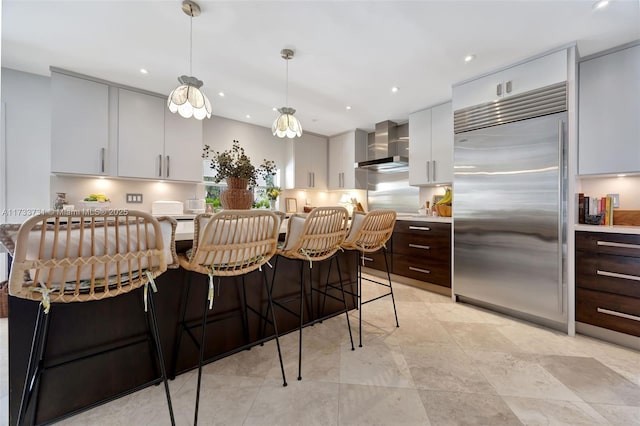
{"points": [[510, 203]]}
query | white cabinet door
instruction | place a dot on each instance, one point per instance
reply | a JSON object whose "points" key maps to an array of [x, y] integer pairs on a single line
{"points": [[182, 148], [345, 150], [420, 172], [609, 113], [310, 162], [318, 164], [541, 72], [442, 143], [140, 135], [79, 126], [336, 166]]}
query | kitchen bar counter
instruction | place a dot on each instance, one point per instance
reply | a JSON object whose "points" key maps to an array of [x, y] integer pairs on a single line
{"points": [[119, 322]]}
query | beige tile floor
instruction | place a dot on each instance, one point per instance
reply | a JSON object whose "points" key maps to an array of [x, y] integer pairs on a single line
{"points": [[447, 364]]}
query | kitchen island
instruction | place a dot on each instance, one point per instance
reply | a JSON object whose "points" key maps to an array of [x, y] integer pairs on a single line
{"points": [[116, 329]]}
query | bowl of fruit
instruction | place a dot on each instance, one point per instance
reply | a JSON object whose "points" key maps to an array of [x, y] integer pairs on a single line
{"points": [[95, 201]]}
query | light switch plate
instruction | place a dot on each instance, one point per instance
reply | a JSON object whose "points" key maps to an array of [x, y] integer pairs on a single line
{"points": [[134, 198], [615, 200]]}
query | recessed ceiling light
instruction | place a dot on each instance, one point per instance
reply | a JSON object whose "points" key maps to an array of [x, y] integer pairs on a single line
{"points": [[248, 116], [348, 106], [143, 71], [395, 89], [600, 4], [469, 58], [221, 94]]}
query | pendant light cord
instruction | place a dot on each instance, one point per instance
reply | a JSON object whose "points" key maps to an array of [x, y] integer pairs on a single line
{"points": [[191, 45], [287, 90]]}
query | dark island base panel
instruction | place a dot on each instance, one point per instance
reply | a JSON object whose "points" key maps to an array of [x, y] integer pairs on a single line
{"points": [[77, 328]]}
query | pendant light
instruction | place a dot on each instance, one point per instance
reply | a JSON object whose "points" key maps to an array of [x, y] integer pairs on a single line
{"points": [[187, 99], [286, 125]]}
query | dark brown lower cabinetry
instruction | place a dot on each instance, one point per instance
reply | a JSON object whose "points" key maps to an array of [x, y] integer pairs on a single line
{"points": [[81, 328], [608, 281]]}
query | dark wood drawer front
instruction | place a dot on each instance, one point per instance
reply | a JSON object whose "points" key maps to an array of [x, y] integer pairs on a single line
{"points": [[606, 243], [613, 274], [376, 261], [607, 310], [436, 271], [427, 247], [422, 228]]}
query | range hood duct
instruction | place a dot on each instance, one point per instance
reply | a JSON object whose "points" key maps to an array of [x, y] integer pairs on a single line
{"points": [[385, 153]]}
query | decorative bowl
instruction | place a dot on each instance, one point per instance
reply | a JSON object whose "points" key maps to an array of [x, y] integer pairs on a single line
{"points": [[443, 210]]}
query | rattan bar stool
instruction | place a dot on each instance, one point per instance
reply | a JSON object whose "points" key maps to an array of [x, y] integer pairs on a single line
{"points": [[231, 243], [369, 233], [83, 256], [310, 239]]}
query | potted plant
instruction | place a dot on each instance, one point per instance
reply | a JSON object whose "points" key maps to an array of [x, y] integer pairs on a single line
{"points": [[235, 167]]}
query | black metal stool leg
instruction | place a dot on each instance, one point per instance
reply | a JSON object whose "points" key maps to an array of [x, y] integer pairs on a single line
{"points": [[34, 367], [359, 278], [201, 355], [326, 288], [275, 325], [156, 339], [311, 310], [269, 307], [181, 326], [344, 300], [386, 264]]}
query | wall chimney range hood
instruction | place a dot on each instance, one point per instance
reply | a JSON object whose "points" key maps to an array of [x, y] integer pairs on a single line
{"points": [[387, 152]]}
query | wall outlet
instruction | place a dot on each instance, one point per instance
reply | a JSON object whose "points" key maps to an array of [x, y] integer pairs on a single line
{"points": [[615, 199], [134, 198]]}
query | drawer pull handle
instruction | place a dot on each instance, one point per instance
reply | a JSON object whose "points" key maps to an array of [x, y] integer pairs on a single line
{"points": [[424, 271], [419, 246], [419, 228], [617, 275], [618, 314], [621, 245], [368, 259]]}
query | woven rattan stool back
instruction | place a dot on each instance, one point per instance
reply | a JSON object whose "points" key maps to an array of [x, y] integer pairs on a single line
{"points": [[371, 231], [76, 256]]}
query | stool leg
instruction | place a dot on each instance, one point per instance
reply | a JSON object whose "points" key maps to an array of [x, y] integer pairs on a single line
{"points": [[359, 278], [344, 300], [275, 325], [156, 340], [201, 356], [181, 326], [301, 319], [326, 288], [34, 367], [269, 306], [386, 264], [311, 314]]}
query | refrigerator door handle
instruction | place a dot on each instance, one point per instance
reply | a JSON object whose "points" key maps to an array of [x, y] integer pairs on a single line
{"points": [[560, 214]]}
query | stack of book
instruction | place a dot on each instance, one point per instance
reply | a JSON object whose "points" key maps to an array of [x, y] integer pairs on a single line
{"points": [[598, 209]]}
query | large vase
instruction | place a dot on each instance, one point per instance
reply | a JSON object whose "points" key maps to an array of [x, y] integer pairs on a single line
{"points": [[236, 196]]}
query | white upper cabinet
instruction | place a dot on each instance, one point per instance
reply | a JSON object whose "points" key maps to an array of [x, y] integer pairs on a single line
{"points": [[431, 146], [154, 143], [541, 72], [609, 113], [140, 135], [344, 151], [79, 126], [182, 147], [307, 163]]}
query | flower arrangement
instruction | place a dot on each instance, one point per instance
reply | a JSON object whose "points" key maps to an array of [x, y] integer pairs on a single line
{"points": [[273, 192], [235, 163]]}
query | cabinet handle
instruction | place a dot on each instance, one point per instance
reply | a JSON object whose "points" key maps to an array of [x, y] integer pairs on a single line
{"points": [[419, 246], [368, 259], [618, 314], [102, 155], [434, 170], [424, 271], [160, 165], [621, 245], [419, 228], [508, 86], [499, 89], [309, 179], [313, 179], [428, 171], [617, 275], [168, 159]]}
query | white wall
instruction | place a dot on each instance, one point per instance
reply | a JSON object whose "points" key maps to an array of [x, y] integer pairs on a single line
{"points": [[628, 187], [26, 163]]}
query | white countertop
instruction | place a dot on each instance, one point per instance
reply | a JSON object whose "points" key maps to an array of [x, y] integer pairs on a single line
{"points": [[423, 218], [609, 229]]}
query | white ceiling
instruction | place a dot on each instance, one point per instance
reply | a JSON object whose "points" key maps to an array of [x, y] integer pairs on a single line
{"points": [[347, 52]]}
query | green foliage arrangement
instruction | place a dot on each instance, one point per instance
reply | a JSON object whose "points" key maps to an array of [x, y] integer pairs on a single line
{"points": [[235, 163]]}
